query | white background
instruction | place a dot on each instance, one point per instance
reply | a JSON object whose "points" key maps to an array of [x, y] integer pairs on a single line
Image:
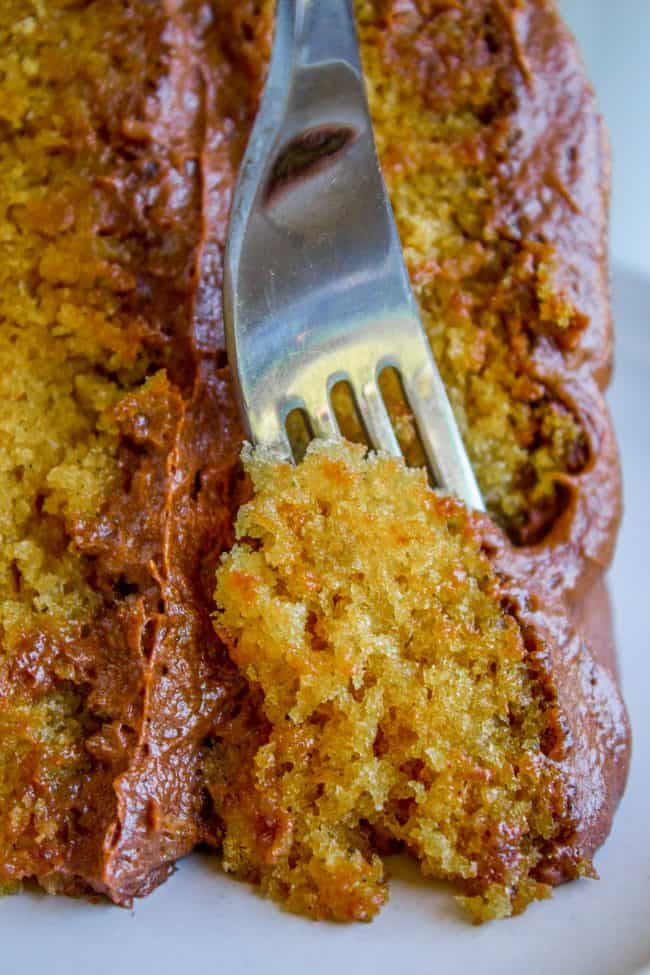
{"points": [[614, 36]]}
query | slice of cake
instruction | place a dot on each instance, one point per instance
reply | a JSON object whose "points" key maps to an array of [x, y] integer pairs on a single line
{"points": [[402, 691]]}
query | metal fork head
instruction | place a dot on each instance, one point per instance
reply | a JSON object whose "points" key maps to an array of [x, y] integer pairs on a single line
{"points": [[315, 287]]}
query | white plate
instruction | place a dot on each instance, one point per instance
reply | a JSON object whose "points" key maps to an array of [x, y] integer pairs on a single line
{"points": [[202, 921]]}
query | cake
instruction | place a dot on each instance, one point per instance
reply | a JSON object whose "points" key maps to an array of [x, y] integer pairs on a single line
{"points": [[404, 694], [122, 129]]}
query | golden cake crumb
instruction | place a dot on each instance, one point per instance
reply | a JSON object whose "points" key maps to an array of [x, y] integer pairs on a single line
{"points": [[393, 684], [71, 345], [442, 137]]}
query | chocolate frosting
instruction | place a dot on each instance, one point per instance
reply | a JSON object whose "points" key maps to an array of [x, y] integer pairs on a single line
{"points": [[155, 676]]}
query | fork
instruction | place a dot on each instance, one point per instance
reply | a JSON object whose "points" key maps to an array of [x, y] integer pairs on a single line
{"points": [[316, 291]]}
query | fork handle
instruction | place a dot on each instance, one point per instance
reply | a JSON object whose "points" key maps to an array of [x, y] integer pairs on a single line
{"points": [[317, 31]]}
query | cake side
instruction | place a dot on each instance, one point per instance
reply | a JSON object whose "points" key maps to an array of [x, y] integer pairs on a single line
{"points": [[496, 163], [123, 440]]}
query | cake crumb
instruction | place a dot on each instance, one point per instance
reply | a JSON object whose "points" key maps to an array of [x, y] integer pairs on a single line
{"points": [[389, 701]]}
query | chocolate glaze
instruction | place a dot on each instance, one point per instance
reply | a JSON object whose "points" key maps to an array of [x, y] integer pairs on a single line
{"points": [[572, 652], [556, 188], [153, 674]]}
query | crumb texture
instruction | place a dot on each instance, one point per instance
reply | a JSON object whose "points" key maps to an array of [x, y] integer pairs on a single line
{"points": [[444, 85], [70, 343], [101, 558], [396, 699]]}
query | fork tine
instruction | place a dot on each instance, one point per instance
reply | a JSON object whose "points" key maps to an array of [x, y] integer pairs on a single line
{"points": [[439, 433], [322, 420], [376, 419], [311, 217], [274, 434]]}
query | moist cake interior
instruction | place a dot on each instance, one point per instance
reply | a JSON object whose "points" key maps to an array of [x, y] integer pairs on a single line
{"points": [[392, 700]]}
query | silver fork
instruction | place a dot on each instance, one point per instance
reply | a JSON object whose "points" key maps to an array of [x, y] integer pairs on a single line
{"points": [[316, 290]]}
